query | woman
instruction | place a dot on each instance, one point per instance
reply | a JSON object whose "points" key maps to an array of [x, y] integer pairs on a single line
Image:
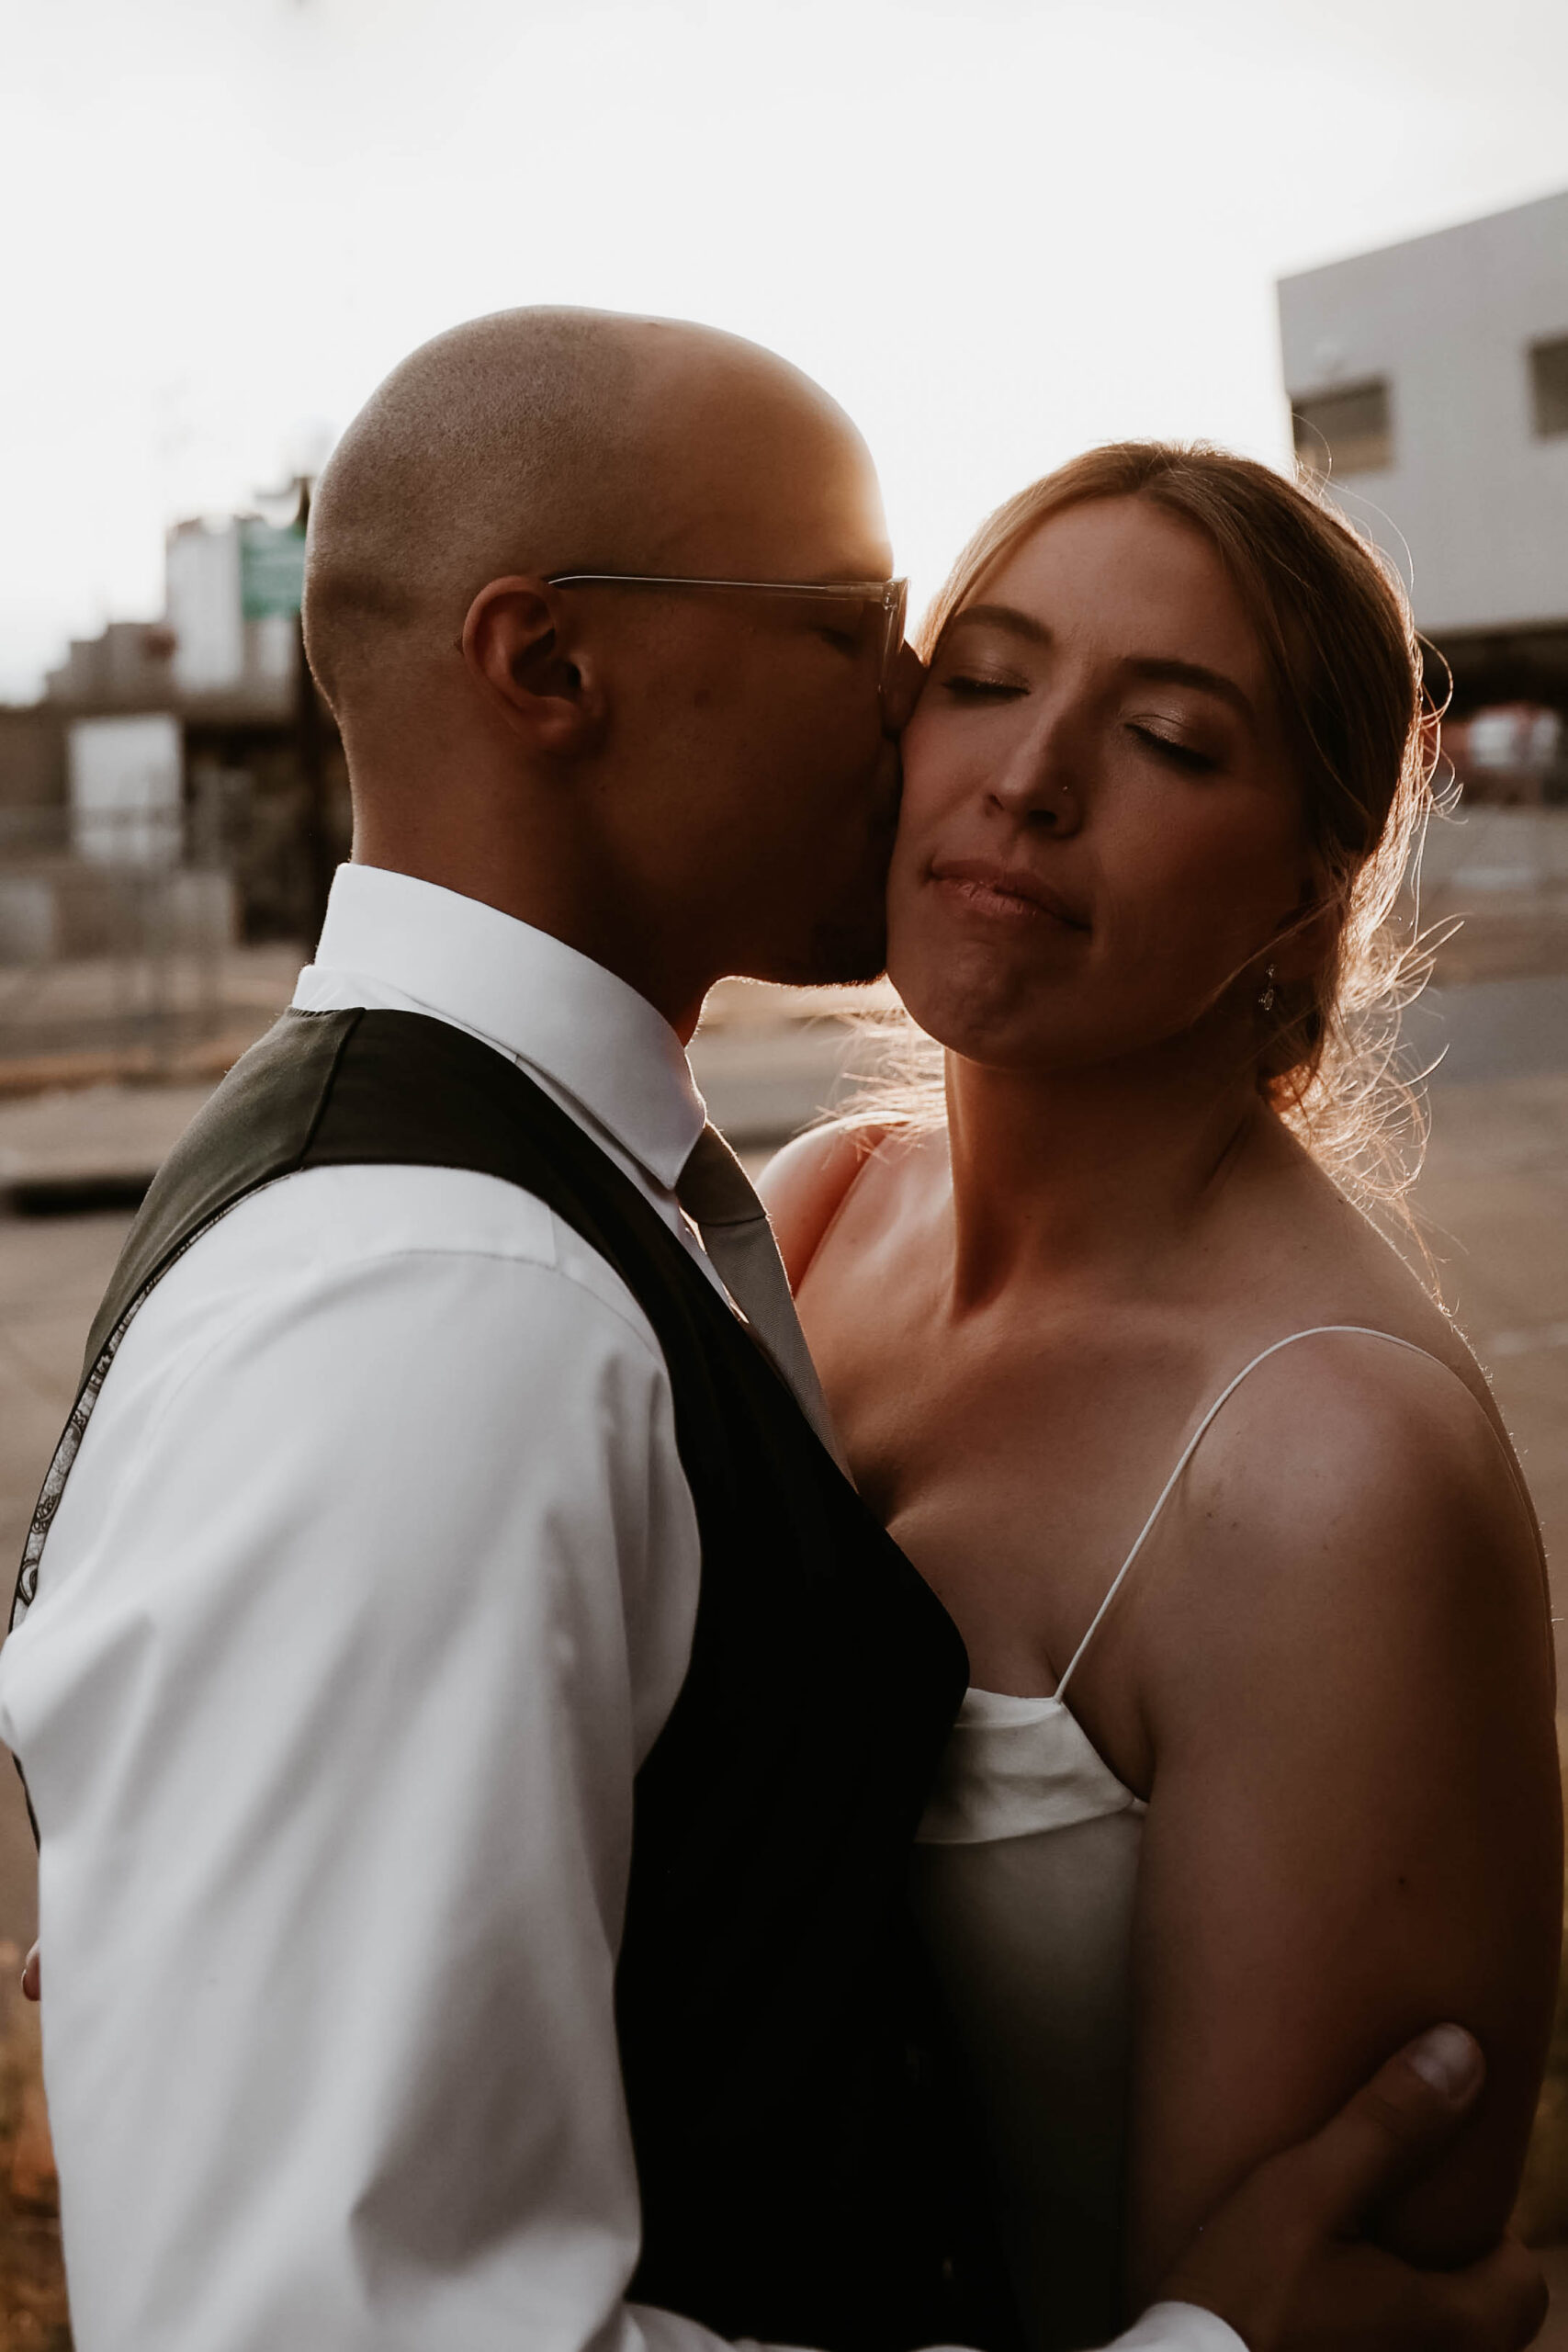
{"points": [[1217, 1829]]}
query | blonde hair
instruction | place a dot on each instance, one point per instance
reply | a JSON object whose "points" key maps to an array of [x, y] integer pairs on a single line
{"points": [[1336, 632]]}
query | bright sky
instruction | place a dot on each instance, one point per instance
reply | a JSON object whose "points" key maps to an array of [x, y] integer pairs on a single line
{"points": [[997, 229]]}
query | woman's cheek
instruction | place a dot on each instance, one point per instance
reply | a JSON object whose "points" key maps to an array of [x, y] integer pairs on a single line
{"points": [[943, 764]]}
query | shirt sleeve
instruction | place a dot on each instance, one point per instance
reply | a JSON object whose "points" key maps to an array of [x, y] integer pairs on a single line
{"points": [[330, 1705], [1178, 2327]]}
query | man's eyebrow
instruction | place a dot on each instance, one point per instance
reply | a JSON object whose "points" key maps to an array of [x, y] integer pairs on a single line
{"points": [[1004, 616], [1193, 673]]}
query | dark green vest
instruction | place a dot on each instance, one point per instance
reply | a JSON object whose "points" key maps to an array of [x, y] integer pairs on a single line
{"points": [[806, 2174]]}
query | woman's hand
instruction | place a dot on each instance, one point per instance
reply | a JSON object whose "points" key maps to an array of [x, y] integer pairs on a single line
{"points": [[32, 1983]]}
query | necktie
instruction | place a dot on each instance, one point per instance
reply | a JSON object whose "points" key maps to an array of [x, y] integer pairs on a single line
{"points": [[716, 1193]]}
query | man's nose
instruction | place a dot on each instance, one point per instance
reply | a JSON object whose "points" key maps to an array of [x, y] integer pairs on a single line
{"points": [[902, 691]]}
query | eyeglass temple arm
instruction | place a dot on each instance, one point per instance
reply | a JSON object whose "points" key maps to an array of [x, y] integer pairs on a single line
{"points": [[884, 590]]}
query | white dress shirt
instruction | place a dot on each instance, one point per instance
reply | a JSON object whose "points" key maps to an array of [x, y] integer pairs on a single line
{"points": [[371, 1587]]}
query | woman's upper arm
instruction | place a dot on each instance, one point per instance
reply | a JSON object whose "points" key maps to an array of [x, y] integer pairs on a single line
{"points": [[1354, 1823], [805, 1185]]}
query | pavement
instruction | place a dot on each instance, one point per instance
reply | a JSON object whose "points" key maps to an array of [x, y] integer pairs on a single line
{"points": [[766, 1059], [89, 1147], [142, 1017]]}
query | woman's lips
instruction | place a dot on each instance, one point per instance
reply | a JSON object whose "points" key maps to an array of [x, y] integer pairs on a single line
{"points": [[1006, 893]]}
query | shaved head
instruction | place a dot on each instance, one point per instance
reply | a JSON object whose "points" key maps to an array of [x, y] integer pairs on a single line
{"points": [[678, 780], [542, 440]]}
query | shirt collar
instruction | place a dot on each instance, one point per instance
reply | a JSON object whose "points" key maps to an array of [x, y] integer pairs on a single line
{"points": [[528, 994]]}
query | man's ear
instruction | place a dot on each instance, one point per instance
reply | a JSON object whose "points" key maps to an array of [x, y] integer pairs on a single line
{"points": [[539, 679]]}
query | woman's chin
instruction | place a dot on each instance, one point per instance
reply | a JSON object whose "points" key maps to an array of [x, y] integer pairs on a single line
{"points": [[967, 1012], [986, 1017]]}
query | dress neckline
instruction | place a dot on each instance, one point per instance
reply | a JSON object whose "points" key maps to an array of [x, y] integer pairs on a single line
{"points": [[999, 1706]]}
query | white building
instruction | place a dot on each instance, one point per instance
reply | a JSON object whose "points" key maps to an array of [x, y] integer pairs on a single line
{"points": [[1431, 378], [219, 646]]}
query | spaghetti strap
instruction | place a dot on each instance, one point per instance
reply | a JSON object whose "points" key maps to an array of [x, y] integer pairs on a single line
{"points": [[1316, 1331]]}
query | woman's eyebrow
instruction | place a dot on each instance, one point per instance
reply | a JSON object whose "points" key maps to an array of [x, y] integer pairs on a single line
{"points": [[1193, 673], [1004, 616]]}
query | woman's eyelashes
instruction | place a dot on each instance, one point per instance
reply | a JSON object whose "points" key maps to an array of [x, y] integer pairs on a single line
{"points": [[975, 685], [1171, 747]]}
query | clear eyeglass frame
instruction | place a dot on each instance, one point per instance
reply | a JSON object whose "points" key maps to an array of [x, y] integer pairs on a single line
{"points": [[890, 597]]}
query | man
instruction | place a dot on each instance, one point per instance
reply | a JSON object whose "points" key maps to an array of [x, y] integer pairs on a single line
{"points": [[474, 1728]]}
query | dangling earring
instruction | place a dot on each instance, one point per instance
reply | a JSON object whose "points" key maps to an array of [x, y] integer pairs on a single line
{"points": [[1266, 1001]]}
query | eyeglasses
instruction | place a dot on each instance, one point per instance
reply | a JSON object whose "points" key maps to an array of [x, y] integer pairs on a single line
{"points": [[867, 604]]}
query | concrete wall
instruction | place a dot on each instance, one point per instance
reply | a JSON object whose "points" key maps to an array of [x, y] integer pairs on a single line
{"points": [[1480, 498]]}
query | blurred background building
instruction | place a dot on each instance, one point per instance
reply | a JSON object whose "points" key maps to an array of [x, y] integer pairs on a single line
{"points": [[1429, 381], [177, 791]]}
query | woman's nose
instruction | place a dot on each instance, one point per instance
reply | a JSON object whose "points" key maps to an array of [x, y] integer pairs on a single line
{"points": [[1040, 784]]}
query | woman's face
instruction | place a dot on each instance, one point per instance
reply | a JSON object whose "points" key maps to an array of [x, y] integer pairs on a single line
{"points": [[1100, 834]]}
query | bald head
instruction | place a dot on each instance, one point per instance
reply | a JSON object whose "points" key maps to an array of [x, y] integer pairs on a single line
{"points": [[678, 785], [535, 441]]}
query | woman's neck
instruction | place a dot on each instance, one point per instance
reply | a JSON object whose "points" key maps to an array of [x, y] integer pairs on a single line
{"points": [[1094, 1172]]}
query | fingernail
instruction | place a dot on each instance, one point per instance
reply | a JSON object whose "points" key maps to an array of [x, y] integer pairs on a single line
{"points": [[1449, 2059]]}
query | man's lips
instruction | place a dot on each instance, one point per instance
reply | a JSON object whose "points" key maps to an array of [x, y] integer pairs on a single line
{"points": [[1004, 890]]}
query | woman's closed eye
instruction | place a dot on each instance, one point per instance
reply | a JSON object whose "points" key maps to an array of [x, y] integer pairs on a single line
{"points": [[975, 685], [1173, 748]]}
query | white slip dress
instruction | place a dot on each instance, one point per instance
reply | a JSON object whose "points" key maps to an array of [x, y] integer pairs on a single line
{"points": [[1025, 1869]]}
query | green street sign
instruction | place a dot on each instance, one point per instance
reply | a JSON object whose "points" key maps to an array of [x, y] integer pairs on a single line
{"points": [[272, 568]]}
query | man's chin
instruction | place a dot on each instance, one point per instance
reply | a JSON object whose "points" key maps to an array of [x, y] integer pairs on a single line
{"points": [[835, 956]]}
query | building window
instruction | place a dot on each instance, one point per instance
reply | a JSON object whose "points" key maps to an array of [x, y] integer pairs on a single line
{"points": [[1549, 385], [1344, 432]]}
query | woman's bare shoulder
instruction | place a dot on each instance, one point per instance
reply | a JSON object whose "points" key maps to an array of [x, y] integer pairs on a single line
{"points": [[805, 1185], [1358, 1491], [1347, 1663]]}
